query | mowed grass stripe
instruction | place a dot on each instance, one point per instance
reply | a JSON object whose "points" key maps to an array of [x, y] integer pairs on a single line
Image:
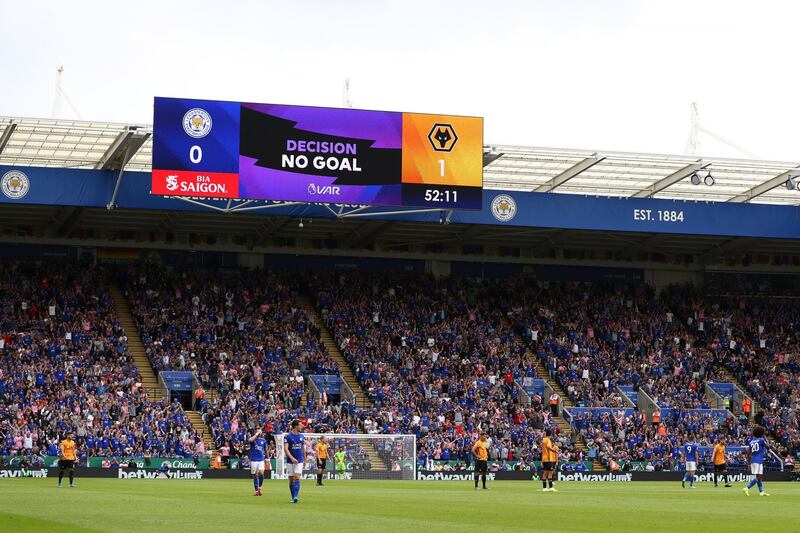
{"points": [[429, 506]]}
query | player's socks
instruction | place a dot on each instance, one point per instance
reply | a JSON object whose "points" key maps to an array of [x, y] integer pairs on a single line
{"points": [[752, 484], [715, 479], [255, 483], [483, 480], [476, 480], [760, 486], [260, 480], [544, 484]]}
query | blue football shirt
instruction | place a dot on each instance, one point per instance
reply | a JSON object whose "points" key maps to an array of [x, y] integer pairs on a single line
{"points": [[295, 442], [690, 450], [258, 450], [758, 450]]}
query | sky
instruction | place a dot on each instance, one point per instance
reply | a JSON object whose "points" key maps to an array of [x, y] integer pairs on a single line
{"points": [[591, 74]]}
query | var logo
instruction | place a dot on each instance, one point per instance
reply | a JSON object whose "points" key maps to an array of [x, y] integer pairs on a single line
{"points": [[314, 189]]}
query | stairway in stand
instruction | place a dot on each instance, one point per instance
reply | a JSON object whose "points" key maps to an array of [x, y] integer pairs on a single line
{"points": [[733, 379], [362, 400], [541, 372], [346, 373], [146, 374]]}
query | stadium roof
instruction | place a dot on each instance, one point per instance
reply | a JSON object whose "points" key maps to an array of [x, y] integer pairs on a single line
{"points": [[93, 145]]}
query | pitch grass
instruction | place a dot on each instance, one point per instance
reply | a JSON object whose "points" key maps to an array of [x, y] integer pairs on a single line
{"points": [[411, 506]]}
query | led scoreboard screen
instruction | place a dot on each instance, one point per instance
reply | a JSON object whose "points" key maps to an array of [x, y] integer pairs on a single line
{"points": [[313, 154]]}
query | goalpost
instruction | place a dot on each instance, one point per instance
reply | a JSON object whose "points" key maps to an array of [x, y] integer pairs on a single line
{"points": [[378, 456]]}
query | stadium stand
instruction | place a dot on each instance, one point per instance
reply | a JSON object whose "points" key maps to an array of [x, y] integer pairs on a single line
{"points": [[66, 367], [437, 361], [756, 335], [435, 357], [250, 342]]}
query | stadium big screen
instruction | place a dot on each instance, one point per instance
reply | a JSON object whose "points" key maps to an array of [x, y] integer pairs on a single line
{"points": [[312, 154]]}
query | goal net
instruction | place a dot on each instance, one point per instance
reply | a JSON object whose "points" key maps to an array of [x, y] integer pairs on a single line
{"points": [[364, 456]]}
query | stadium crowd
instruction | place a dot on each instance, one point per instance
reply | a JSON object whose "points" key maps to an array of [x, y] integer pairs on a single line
{"points": [[244, 335], [65, 367], [441, 359], [758, 338], [594, 337]]}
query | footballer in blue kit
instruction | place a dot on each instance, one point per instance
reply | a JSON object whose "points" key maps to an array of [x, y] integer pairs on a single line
{"points": [[293, 447], [257, 454], [756, 453], [689, 453]]}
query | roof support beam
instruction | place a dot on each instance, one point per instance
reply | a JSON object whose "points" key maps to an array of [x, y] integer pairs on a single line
{"points": [[7, 133], [644, 245], [550, 241], [570, 173], [118, 155], [768, 185], [69, 223], [730, 246], [124, 147], [365, 234], [672, 179], [490, 157], [113, 152]]}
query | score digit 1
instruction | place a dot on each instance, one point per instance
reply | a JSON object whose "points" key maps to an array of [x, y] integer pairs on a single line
{"points": [[195, 154]]}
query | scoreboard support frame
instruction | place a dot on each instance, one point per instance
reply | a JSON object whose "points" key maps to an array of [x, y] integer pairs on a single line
{"points": [[356, 211]]}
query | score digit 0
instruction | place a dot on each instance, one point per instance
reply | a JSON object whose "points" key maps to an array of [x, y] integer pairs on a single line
{"points": [[195, 154]]}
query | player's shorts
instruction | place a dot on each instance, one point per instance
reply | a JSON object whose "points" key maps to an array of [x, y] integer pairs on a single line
{"points": [[481, 466], [66, 464], [756, 469], [691, 466], [256, 467], [322, 463], [341, 467], [548, 466], [721, 468], [294, 469]]}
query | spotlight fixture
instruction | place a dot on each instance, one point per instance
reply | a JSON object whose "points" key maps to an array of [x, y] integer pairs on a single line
{"points": [[695, 178], [709, 179], [300, 225]]}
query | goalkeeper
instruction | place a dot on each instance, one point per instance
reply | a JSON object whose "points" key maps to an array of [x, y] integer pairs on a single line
{"points": [[339, 457]]}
